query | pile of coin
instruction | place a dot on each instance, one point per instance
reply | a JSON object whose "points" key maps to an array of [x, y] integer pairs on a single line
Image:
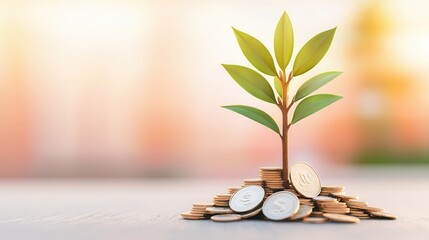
{"points": [[272, 178], [222, 199], [303, 200], [253, 181], [198, 211], [232, 190]]}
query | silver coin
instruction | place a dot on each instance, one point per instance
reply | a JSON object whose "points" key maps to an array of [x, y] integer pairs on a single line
{"points": [[280, 205], [247, 198], [305, 180]]}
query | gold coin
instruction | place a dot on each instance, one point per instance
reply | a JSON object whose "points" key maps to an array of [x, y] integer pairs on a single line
{"points": [[226, 217], [251, 214], [373, 209], [336, 211], [324, 199], [332, 189], [341, 218], [332, 204], [219, 210], [303, 211], [383, 215], [204, 205], [315, 220], [271, 169], [344, 196], [305, 180], [191, 216]]}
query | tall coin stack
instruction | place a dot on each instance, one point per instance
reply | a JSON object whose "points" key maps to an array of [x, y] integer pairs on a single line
{"points": [[272, 177]]}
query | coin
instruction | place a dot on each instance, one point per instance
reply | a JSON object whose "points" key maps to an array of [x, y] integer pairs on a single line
{"points": [[251, 214], [226, 217], [247, 198], [344, 196], [324, 199], [192, 216], [280, 205], [304, 211], [383, 215], [271, 168], [341, 218], [218, 210], [315, 220], [305, 180], [373, 209], [205, 205]]}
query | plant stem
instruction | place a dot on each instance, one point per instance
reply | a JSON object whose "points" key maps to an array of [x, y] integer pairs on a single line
{"points": [[285, 142]]}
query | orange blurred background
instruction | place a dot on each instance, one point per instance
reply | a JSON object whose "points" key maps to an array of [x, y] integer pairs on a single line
{"points": [[133, 88]]}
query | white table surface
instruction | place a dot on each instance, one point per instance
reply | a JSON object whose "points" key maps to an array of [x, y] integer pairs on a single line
{"points": [[149, 209]]}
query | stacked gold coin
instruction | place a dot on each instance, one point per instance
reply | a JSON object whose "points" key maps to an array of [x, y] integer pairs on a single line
{"points": [[253, 181], [272, 177], [333, 207], [198, 211], [232, 190], [222, 199], [328, 190], [361, 209]]}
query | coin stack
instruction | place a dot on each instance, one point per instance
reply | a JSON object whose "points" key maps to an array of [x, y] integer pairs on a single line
{"points": [[198, 211], [327, 191], [222, 199], [272, 177], [304, 200], [331, 205], [232, 190], [253, 181]]}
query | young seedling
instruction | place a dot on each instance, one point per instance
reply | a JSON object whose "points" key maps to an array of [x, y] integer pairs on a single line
{"points": [[256, 84]]}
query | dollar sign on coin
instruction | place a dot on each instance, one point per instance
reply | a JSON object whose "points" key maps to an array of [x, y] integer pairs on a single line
{"points": [[280, 205], [247, 198]]}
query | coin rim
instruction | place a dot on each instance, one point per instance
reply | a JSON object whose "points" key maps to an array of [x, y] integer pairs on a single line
{"points": [[317, 175], [231, 220]]}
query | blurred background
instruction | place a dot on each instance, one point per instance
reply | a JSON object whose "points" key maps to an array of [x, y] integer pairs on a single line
{"points": [[123, 88]]}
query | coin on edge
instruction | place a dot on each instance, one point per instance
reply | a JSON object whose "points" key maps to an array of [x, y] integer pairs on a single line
{"points": [[341, 218], [383, 215], [226, 218], [247, 198], [304, 211], [251, 214], [305, 180], [280, 205]]}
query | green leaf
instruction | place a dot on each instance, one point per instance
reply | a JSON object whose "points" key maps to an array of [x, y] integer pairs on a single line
{"points": [[278, 86], [313, 104], [283, 41], [313, 51], [315, 83], [256, 115], [257, 54], [251, 81]]}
